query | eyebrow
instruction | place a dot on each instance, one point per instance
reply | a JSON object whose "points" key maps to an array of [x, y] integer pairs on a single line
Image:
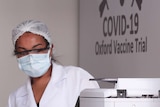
{"points": [[32, 47]]}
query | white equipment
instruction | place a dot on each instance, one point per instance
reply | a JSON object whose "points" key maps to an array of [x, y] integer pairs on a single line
{"points": [[128, 92]]}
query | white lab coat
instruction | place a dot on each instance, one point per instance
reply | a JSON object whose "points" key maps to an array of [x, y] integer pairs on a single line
{"points": [[62, 90]]}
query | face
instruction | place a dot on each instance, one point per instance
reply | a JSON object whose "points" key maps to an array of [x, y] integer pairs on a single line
{"points": [[30, 43]]}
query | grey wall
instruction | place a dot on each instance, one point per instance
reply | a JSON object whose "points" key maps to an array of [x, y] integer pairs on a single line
{"points": [[61, 18], [101, 38]]}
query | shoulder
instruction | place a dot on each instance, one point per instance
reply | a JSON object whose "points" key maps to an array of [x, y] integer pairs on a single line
{"points": [[80, 77], [71, 70], [77, 71], [75, 76], [21, 91]]}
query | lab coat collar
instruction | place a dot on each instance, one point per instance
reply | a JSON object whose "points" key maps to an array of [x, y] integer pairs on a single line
{"points": [[57, 76], [57, 73]]}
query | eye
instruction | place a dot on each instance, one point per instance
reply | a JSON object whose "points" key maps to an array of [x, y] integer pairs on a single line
{"points": [[24, 53], [20, 54], [36, 50]]}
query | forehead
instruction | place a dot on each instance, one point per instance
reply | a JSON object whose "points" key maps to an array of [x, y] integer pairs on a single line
{"points": [[29, 38]]}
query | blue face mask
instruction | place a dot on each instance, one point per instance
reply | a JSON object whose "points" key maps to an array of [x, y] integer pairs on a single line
{"points": [[35, 65]]}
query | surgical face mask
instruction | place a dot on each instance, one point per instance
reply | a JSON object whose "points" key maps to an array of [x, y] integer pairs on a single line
{"points": [[35, 65]]}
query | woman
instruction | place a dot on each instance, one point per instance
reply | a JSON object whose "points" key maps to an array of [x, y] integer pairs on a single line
{"points": [[49, 84]]}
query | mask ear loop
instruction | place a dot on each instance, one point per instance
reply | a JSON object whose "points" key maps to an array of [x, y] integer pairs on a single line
{"points": [[50, 57], [53, 49], [53, 53]]}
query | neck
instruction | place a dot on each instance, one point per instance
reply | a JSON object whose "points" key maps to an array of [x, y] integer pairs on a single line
{"points": [[43, 79]]}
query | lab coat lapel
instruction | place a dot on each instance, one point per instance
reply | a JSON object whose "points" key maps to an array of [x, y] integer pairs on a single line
{"points": [[30, 98], [58, 75]]}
